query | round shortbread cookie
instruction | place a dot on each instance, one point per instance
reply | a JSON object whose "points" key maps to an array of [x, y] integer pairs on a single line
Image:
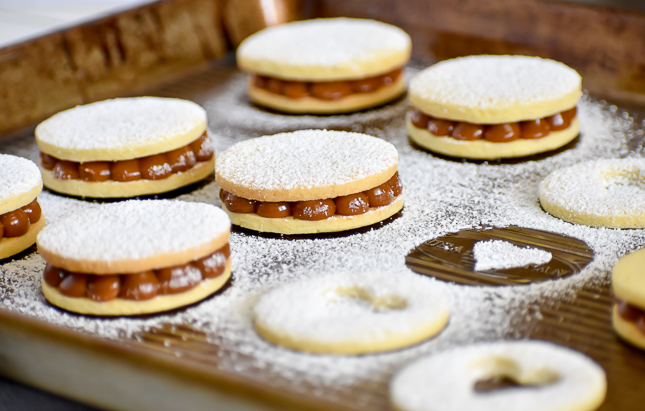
{"points": [[20, 182], [601, 193], [305, 165], [353, 102], [325, 50], [556, 378], [495, 89], [120, 306], [352, 313], [134, 236], [487, 150], [116, 189], [291, 225], [121, 129]]}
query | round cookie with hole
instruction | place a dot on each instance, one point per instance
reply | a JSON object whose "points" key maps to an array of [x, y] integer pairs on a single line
{"points": [[21, 217], [491, 107], [135, 257], [325, 66], [352, 313], [125, 147], [501, 376], [309, 181], [599, 193], [628, 283]]}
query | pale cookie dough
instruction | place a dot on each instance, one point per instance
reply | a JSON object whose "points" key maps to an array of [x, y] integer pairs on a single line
{"points": [[487, 150], [352, 313], [353, 102], [495, 89], [557, 378], [307, 165], [325, 50], [628, 283], [133, 237], [20, 184], [601, 193], [119, 130]]}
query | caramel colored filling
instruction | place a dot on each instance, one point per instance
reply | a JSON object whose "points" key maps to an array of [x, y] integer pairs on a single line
{"points": [[496, 133], [329, 90], [16, 223], [632, 314], [154, 167], [314, 210], [139, 286]]}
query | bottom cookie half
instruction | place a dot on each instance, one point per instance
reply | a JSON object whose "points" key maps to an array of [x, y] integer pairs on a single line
{"points": [[121, 306], [627, 330], [291, 225]]}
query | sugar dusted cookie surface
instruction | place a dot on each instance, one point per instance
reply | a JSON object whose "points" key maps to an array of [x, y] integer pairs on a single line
{"points": [[121, 129], [555, 378], [495, 89], [600, 193], [325, 50], [352, 313], [20, 182]]}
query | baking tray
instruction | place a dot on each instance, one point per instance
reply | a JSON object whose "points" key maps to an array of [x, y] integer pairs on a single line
{"points": [[208, 356]]}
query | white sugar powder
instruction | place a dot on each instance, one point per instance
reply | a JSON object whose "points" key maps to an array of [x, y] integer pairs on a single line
{"points": [[499, 254]]}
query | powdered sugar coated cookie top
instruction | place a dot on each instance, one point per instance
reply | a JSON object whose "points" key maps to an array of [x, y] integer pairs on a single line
{"points": [[606, 187], [495, 82], [133, 229], [499, 254], [558, 378], [352, 307], [18, 176], [325, 49], [305, 159], [120, 127]]}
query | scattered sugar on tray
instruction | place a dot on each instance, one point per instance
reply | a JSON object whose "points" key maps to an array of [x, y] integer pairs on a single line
{"points": [[441, 197], [499, 254]]}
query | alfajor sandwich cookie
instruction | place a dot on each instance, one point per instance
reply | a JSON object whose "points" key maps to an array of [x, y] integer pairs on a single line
{"points": [[489, 107], [309, 181], [628, 282], [135, 257], [325, 65], [125, 147], [21, 218]]}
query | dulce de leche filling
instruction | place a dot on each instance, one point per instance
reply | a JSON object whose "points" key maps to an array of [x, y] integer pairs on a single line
{"points": [[16, 223], [632, 314], [328, 90], [154, 167], [496, 133], [139, 286], [353, 204]]}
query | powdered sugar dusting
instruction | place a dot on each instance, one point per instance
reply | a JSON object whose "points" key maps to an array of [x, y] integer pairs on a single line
{"points": [[441, 197], [482, 82], [17, 176], [352, 307], [499, 254], [308, 159], [133, 229], [446, 381], [121, 123], [331, 43], [607, 187]]}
